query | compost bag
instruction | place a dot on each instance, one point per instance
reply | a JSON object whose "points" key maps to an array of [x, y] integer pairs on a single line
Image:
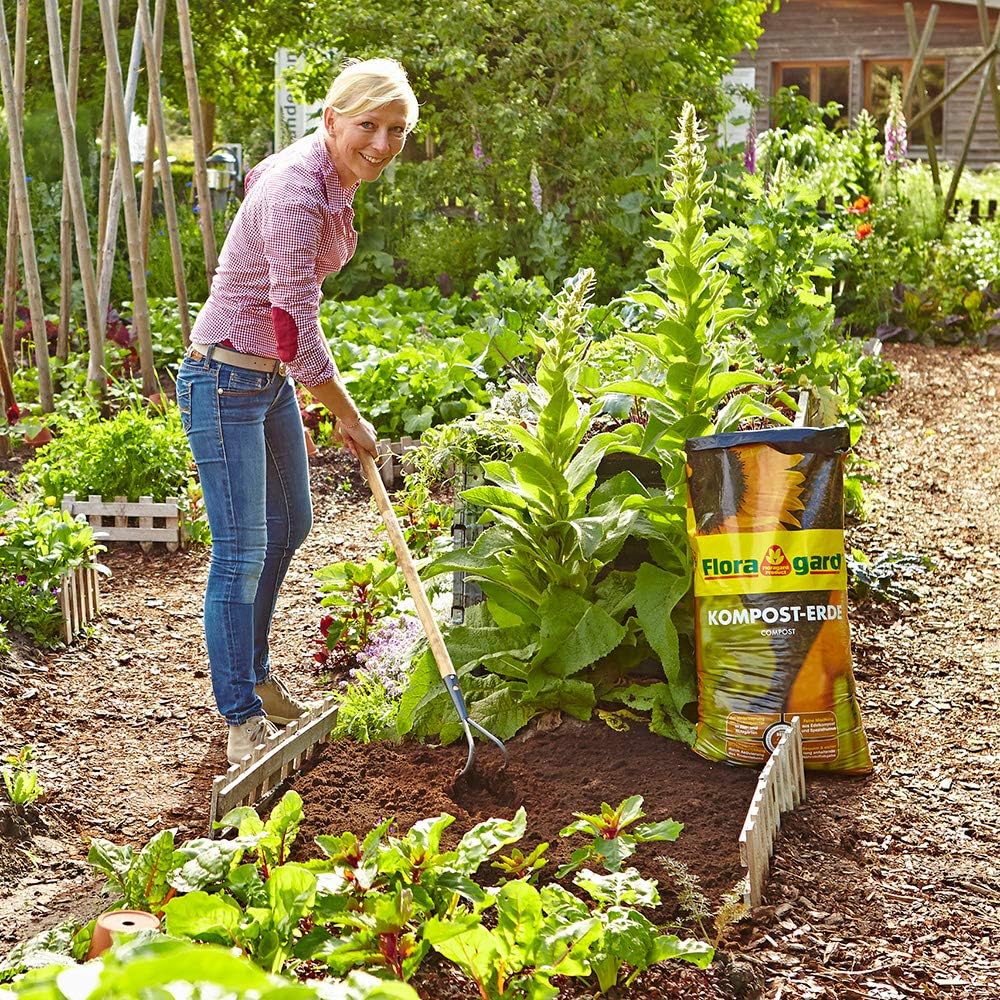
{"points": [[766, 524]]}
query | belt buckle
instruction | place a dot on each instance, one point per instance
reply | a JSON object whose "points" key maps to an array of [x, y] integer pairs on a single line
{"points": [[282, 369]]}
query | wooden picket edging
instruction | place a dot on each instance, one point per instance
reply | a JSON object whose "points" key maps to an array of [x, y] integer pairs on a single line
{"points": [[780, 788], [120, 520], [260, 773], [79, 600], [392, 463]]}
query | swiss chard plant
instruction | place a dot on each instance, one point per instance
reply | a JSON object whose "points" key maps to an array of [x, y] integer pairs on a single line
{"points": [[610, 845]]}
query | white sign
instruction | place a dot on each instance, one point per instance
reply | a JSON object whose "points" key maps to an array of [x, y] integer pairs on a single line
{"points": [[734, 128], [291, 119]]}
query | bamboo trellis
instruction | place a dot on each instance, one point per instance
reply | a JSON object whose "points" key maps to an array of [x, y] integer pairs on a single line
{"points": [[13, 104], [984, 64], [71, 167], [116, 187]]}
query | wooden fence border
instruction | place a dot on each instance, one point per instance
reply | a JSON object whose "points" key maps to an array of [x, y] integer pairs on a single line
{"points": [[79, 600], [261, 772], [392, 461], [131, 522], [780, 788]]}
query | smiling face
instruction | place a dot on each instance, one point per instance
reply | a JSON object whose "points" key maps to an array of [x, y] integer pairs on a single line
{"points": [[362, 146]]}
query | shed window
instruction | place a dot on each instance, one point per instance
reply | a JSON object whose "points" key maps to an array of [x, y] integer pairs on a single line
{"points": [[878, 79], [821, 82]]}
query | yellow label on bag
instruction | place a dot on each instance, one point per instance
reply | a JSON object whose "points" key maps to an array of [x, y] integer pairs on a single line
{"points": [[768, 562]]}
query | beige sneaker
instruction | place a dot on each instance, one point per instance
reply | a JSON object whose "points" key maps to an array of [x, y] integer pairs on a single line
{"points": [[279, 705], [244, 738]]}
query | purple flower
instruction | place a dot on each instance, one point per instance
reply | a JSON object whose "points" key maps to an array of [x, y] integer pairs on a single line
{"points": [[21, 580], [895, 126], [750, 148], [536, 190], [477, 146], [196, 209]]}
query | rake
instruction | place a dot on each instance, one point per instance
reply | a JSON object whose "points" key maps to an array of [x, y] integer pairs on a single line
{"points": [[441, 656]]}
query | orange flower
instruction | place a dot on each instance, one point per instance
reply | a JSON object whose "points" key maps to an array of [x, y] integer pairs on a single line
{"points": [[863, 231], [860, 206]]}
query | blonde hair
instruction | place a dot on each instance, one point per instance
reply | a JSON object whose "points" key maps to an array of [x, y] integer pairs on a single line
{"points": [[366, 84]]}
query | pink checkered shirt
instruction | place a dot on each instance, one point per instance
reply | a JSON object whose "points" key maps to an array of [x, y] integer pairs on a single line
{"points": [[292, 230]]}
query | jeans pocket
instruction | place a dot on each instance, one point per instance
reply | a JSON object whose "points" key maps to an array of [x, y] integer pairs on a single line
{"points": [[242, 382], [184, 403]]}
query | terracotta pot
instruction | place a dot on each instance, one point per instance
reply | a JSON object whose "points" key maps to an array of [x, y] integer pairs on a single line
{"points": [[311, 448], [44, 436], [118, 922], [155, 399]]}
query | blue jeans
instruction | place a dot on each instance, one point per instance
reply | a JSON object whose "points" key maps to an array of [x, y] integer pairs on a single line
{"points": [[246, 435]]}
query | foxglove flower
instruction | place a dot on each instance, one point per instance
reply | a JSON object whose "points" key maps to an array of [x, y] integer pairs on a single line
{"points": [[536, 190], [477, 146], [895, 126]]}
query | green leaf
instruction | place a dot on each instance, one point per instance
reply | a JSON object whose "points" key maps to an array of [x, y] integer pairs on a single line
{"points": [[201, 916], [667, 829], [486, 838], [656, 595], [575, 633], [208, 862], [519, 920], [669, 946], [148, 878], [466, 943]]}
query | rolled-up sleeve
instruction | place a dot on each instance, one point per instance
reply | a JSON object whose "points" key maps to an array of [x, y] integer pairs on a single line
{"points": [[291, 230]]}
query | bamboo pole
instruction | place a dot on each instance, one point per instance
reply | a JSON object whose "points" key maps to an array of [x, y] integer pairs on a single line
{"points": [[108, 236], [921, 92], [153, 42], [65, 217], [984, 31], [10, 268], [148, 177], [200, 168], [970, 132], [917, 65], [104, 181], [140, 305], [984, 57], [71, 165], [36, 306]]}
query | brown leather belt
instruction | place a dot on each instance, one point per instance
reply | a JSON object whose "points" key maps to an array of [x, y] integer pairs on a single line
{"points": [[249, 361]]}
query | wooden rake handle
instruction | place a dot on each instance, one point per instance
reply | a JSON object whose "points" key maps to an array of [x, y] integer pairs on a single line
{"points": [[405, 561]]}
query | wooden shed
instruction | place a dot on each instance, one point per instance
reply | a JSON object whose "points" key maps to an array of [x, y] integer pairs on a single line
{"points": [[849, 50]]}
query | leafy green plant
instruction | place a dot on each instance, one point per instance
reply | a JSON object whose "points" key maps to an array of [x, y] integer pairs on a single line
{"points": [[20, 778], [38, 546], [629, 941], [549, 535], [142, 451], [425, 522], [609, 844], [887, 577], [527, 948], [360, 595], [518, 865]]}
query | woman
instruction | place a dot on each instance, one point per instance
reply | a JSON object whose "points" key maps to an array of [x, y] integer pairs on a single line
{"points": [[256, 333]]}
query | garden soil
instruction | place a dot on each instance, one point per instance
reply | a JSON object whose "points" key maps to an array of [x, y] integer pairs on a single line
{"points": [[884, 887]]}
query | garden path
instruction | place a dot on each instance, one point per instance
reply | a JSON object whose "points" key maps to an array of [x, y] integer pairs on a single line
{"points": [[883, 888]]}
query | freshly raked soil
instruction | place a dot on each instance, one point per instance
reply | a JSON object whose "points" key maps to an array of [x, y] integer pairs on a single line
{"points": [[883, 888]]}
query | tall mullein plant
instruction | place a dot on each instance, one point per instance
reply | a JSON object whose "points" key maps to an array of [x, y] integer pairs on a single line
{"points": [[542, 533], [688, 378]]}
